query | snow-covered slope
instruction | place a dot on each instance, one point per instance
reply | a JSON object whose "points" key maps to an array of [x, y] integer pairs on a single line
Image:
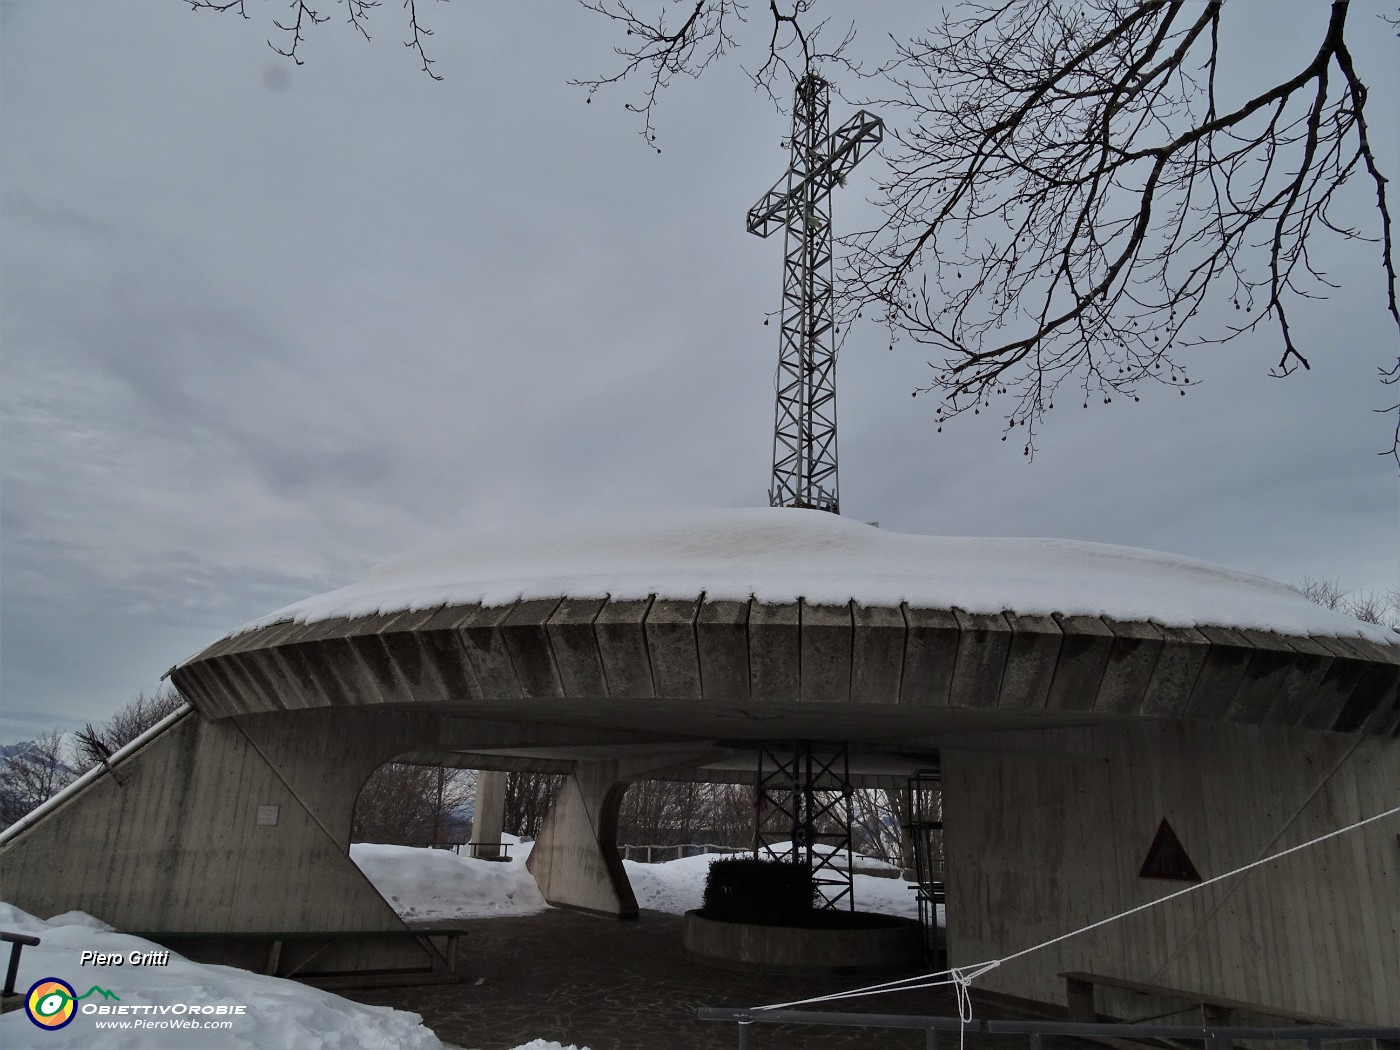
{"points": [[780, 555], [276, 1012], [421, 884], [426, 884]]}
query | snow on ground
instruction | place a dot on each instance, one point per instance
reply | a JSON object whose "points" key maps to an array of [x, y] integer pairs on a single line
{"points": [[420, 883], [782, 554], [277, 1013], [677, 886], [425, 884]]}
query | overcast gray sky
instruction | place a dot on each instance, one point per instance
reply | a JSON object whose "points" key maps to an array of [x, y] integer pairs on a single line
{"points": [[264, 325]]}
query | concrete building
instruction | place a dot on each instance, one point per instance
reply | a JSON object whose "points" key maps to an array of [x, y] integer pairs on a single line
{"points": [[1075, 697]]}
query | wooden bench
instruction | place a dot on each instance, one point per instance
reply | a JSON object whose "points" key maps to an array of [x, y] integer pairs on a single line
{"points": [[1216, 1010]]}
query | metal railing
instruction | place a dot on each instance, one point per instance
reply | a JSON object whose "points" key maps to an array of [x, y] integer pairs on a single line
{"points": [[17, 942], [1213, 1036], [660, 854], [448, 844]]}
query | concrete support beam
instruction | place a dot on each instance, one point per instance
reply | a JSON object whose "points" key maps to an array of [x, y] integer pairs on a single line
{"points": [[675, 661], [575, 647], [721, 631], [487, 652], [775, 651], [489, 813], [877, 654], [930, 651], [983, 641], [1084, 653], [621, 635], [527, 641], [826, 653], [575, 859], [1030, 661], [442, 648]]}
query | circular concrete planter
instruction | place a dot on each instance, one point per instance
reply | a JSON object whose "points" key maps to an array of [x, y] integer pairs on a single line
{"points": [[790, 949]]}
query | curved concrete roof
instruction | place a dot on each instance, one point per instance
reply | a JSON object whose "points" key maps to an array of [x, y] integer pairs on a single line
{"points": [[779, 556], [747, 624]]}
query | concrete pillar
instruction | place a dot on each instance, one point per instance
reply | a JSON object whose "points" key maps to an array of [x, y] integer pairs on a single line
{"points": [[575, 859], [488, 816]]}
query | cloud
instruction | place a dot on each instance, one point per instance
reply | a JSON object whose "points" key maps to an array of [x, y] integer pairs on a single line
{"points": [[258, 339]]}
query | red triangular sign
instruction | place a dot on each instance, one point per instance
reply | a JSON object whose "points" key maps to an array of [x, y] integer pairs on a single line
{"points": [[1167, 859]]}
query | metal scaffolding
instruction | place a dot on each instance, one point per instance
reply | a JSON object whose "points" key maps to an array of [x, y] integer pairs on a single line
{"points": [[923, 823], [804, 798], [804, 434]]}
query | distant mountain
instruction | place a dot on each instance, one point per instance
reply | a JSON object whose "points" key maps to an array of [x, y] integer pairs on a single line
{"points": [[22, 750], [29, 774]]}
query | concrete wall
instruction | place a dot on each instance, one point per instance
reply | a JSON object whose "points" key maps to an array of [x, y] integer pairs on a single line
{"points": [[1050, 833], [172, 842]]}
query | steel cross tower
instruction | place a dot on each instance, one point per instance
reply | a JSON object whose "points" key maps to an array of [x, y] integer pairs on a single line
{"points": [[804, 434]]}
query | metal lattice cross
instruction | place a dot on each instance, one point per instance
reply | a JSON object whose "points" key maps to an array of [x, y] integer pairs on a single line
{"points": [[804, 434]]}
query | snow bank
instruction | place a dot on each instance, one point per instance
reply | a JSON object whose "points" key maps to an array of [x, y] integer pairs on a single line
{"points": [[424, 884], [677, 886], [780, 555], [278, 1013]]}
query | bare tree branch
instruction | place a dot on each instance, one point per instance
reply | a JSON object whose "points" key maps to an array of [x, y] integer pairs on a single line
{"points": [[1067, 195], [658, 49], [413, 804], [94, 745], [1368, 606], [304, 17]]}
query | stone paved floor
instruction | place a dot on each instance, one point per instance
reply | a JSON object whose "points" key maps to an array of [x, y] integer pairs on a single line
{"points": [[612, 985]]}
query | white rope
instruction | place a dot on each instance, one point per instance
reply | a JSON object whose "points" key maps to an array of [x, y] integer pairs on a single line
{"points": [[962, 977]]}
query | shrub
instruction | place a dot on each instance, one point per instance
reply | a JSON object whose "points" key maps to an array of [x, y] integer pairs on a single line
{"points": [[764, 892]]}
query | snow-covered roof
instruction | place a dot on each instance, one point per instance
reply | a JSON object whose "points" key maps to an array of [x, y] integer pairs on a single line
{"points": [[781, 555]]}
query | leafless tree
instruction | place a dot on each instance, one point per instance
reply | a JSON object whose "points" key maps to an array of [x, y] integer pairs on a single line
{"points": [[96, 744], [411, 804], [878, 826], [731, 815], [1369, 606], [528, 798], [1375, 607], [666, 813], [1074, 188], [31, 772], [290, 28]]}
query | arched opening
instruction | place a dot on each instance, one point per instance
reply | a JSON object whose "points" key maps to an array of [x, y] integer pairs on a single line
{"points": [[417, 836], [412, 804]]}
